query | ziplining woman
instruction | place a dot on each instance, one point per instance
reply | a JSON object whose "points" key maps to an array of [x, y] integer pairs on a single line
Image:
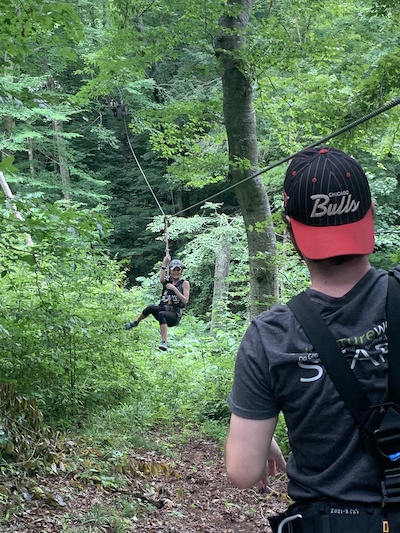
{"points": [[174, 298]]}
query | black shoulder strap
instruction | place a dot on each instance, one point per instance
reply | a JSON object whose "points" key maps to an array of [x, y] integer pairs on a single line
{"points": [[352, 392], [393, 335], [339, 371], [335, 363]]}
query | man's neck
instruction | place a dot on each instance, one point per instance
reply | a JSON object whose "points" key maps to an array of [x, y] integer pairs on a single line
{"points": [[337, 279]]}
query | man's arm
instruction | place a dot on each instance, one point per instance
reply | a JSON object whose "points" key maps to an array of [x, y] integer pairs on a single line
{"points": [[249, 448]]}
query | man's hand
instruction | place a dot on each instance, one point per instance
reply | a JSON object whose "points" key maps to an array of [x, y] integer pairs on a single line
{"points": [[275, 462]]}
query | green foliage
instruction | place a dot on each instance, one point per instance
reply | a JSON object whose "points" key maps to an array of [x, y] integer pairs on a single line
{"points": [[35, 111], [60, 322], [24, 439], [118, 518], [315, 68], [190, 383], [281, 436], [26, 25], [384, 8], [180, 392], [6, 165]]}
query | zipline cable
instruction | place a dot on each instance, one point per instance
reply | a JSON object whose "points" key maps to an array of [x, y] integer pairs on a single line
{"points": [[152, 192], [365, 118], [166, 235], [143, 174]]}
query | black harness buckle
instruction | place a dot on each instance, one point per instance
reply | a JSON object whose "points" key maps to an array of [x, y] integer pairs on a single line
{"points": [[387, 436], [371, 425], [391, 485], [386, 440], [380, 432]]}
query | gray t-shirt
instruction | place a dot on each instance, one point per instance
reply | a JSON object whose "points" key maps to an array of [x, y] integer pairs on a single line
{"points": [[278, 370]]}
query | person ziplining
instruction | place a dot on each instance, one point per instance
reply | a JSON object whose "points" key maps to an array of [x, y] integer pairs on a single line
{"points": [[176, 291], [174, 298]]}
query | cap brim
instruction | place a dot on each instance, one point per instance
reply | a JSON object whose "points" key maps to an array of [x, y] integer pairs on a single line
{"points": [[356, 238]]}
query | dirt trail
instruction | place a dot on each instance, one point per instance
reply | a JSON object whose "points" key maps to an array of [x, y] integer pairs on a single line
{"points": [[191, 493]]}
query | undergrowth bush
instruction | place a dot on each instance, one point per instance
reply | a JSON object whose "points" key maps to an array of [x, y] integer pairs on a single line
{"points": [[191, 381], [183, 391], [62, 312], [64, 345]]}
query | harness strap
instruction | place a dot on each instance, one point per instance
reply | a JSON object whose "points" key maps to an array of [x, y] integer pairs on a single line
{"points": [[393, 335], [391, 476], [387, 417], [336, 365], [176, 307]]}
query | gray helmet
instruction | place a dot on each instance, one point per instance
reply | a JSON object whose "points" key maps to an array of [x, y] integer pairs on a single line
{"points": [[176, 263]]}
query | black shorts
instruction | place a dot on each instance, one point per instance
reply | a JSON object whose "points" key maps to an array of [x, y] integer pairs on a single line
{"points": [[164, 314]]}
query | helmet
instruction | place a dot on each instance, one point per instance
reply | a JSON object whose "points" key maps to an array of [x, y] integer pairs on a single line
{"points": [[176, 263]]}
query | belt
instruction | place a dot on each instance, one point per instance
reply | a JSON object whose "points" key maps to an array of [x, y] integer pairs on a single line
{"points": [[339, 507], [330, 516]]}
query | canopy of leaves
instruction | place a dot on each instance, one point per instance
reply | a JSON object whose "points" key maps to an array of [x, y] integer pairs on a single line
{"points": [[88, 89]]}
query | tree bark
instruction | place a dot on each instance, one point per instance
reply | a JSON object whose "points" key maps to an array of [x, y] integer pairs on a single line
{"points": [[30, 157], [62, 159], [8, 194], [241, 131], [221, 285], [60, 156]]}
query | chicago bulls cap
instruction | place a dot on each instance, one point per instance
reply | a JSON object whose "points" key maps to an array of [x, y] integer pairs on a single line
{"points": [[328, 200]]}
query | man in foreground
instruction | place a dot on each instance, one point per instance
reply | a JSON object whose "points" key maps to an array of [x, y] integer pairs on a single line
{"points": [[333, 480]]}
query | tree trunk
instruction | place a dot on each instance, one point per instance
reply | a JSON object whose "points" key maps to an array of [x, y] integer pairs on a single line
{"points": [[30, 157], [240, 126], [8, 194], [220, 294], [62, 159]]}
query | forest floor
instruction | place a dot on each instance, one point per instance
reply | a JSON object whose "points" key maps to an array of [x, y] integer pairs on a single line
{"points": [[184, 492]]}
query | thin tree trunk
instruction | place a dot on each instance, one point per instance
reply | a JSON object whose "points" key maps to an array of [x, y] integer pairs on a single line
{"points": [[221, 285], [240, 126], [8, 194], [30, 157], [62, 159]]}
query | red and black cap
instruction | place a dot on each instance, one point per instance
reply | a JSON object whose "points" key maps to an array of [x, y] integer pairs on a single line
{"points": [[328, 200]]}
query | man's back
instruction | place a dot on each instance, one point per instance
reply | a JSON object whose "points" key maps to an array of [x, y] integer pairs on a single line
{"points": [[334, 481], [324, 433]]}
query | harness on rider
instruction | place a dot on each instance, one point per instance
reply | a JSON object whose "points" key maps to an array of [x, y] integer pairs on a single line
{"points": [[379, 425]]}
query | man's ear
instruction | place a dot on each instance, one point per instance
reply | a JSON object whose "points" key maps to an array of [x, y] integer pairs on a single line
{"points": [[287, 220]]}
